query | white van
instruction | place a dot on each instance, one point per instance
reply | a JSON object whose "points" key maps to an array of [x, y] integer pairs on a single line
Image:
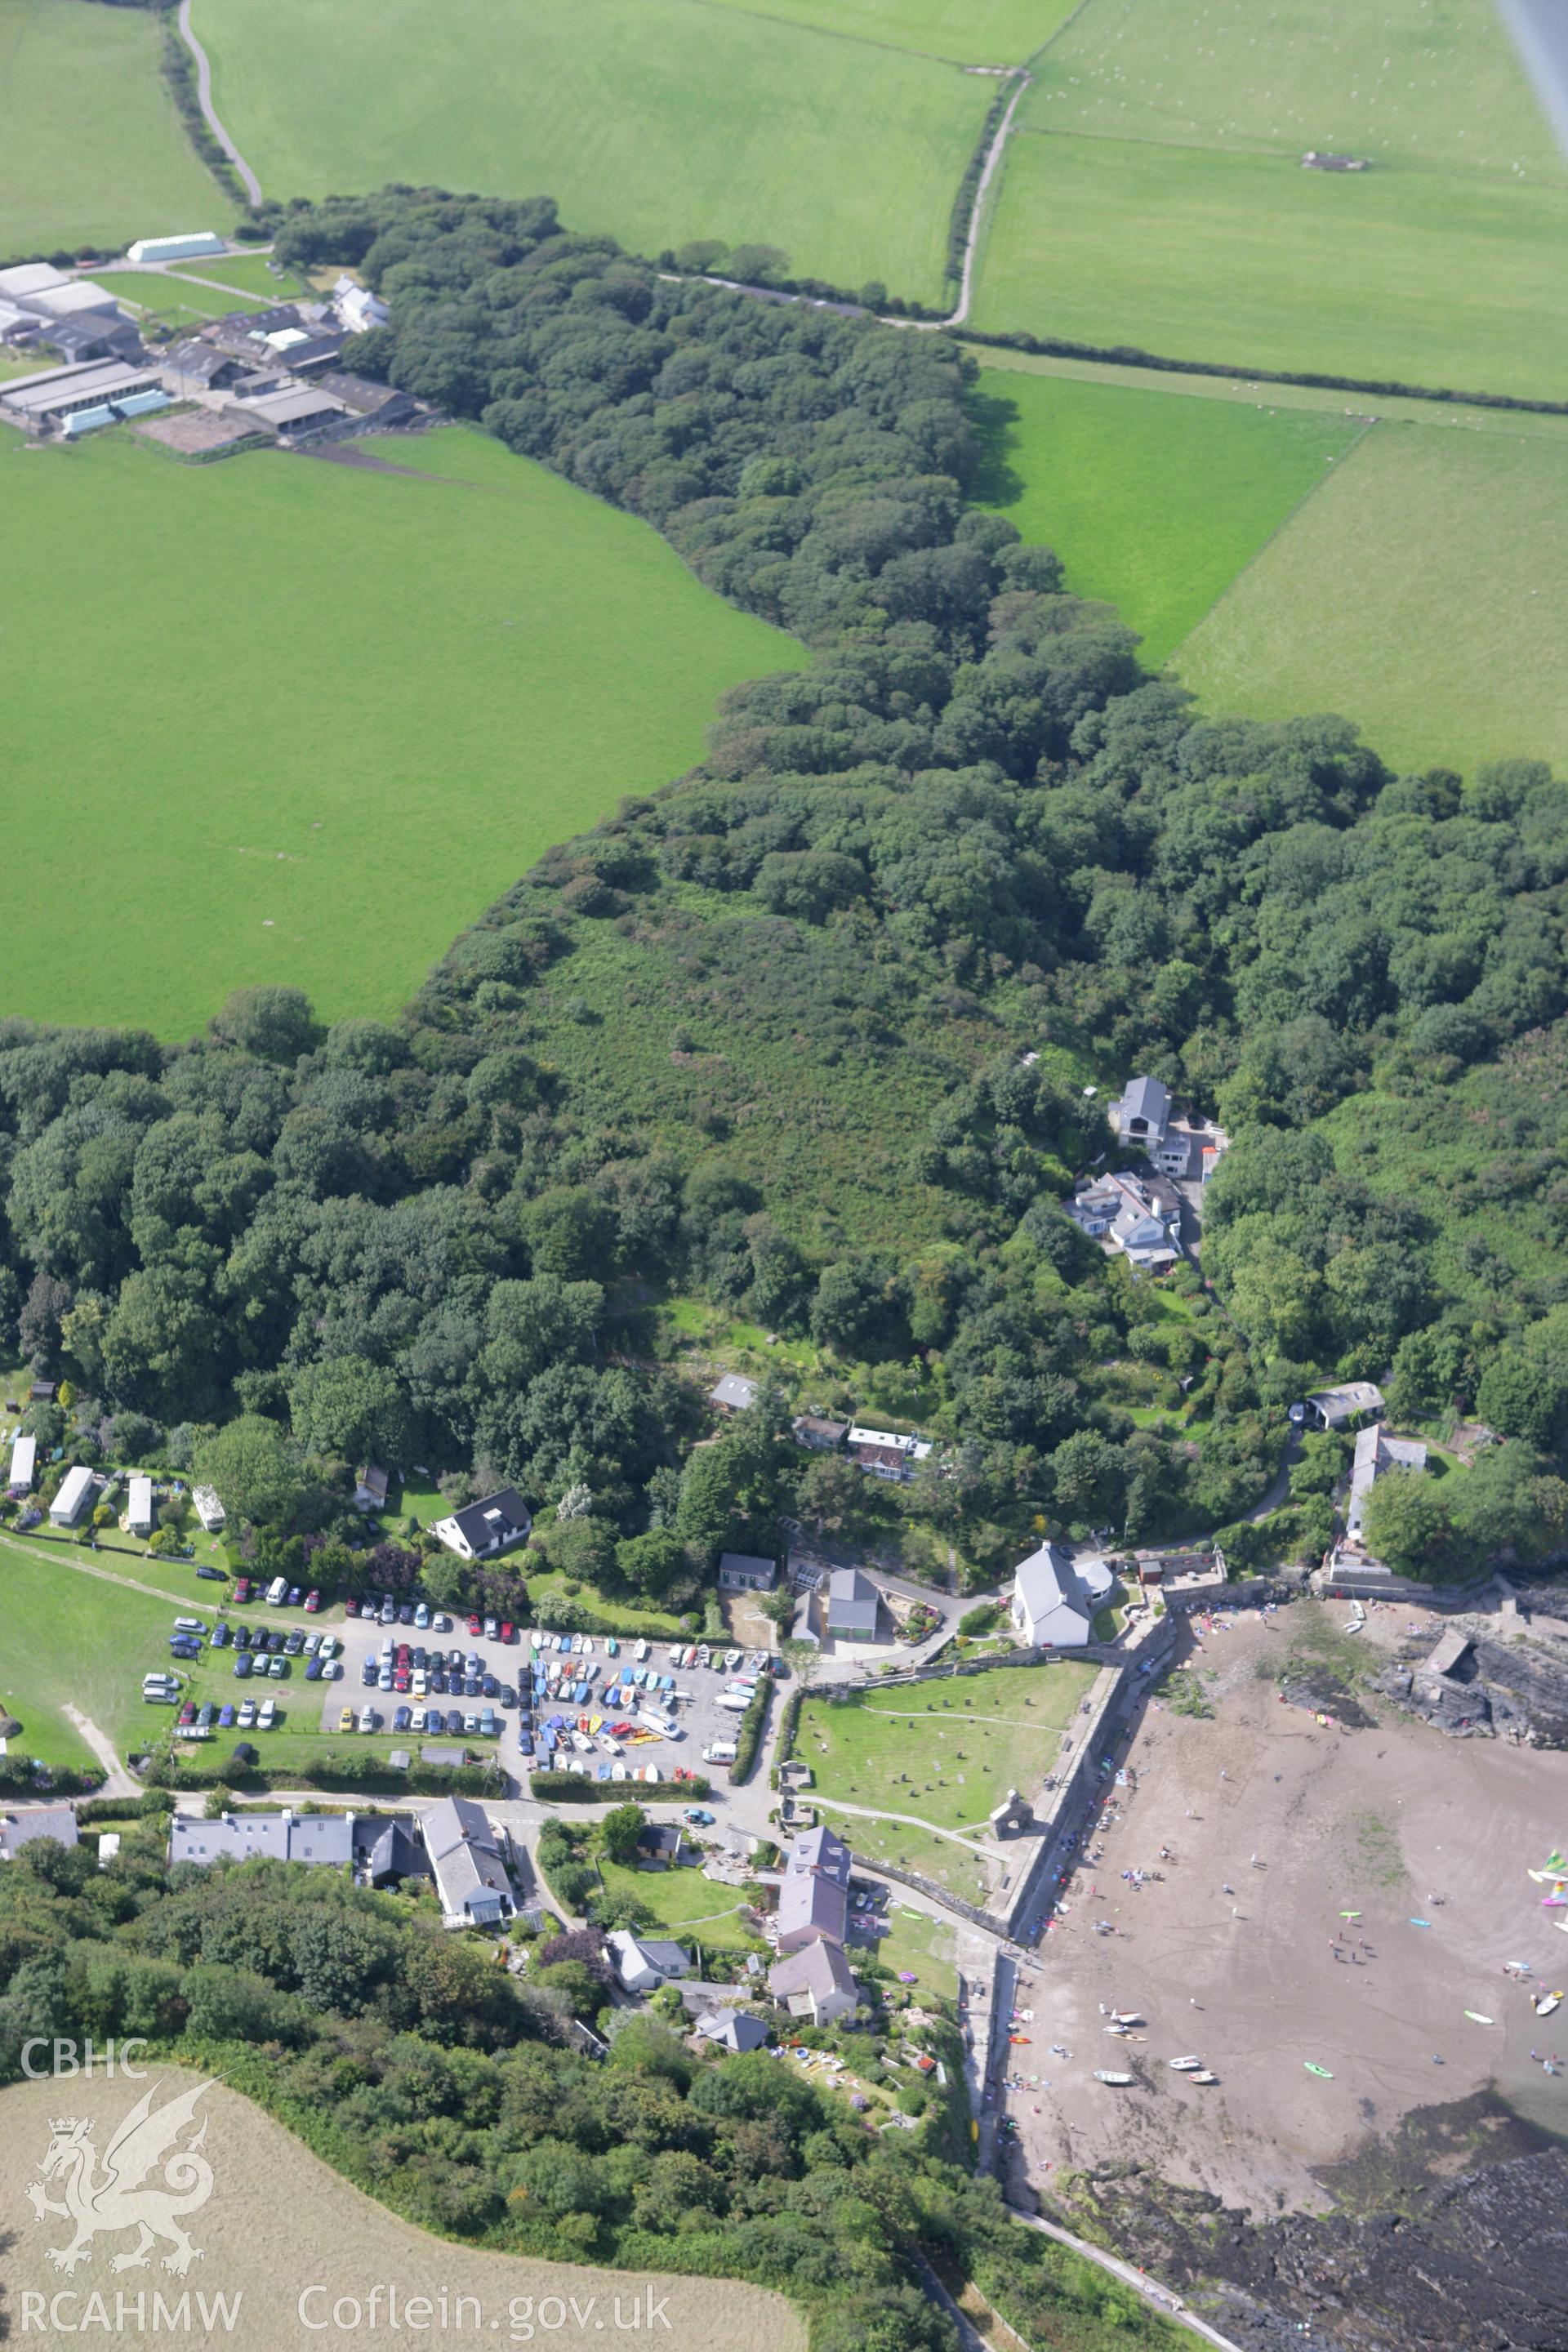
{"points": [[278, 1592], [719, 1751]]}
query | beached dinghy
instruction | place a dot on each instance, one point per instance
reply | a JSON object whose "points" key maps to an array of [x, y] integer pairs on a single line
{"points": [[1185, 2065], [1120, 2080]]}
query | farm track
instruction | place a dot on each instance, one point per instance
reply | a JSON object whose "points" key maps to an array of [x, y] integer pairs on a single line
{"points": [[251, 185], [105, 1575]]}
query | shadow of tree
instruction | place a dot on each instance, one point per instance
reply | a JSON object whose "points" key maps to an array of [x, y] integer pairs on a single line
{"points": [[993, 481]]}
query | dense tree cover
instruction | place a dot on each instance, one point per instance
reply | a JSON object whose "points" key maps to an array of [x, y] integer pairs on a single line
{"points": [[443, 2087], [762, 1035]]}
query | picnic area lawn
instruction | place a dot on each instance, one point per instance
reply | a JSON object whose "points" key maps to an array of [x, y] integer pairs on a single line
{"points": [[946, 1753]]}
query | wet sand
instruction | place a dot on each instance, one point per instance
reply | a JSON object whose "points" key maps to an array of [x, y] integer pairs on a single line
{"points": [[1395, 1822]]}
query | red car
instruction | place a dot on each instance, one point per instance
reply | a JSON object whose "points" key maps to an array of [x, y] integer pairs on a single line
{"points": [[350, 1604], [188, 1712], [475, 1626], [312, 1601], [242, 1588], [400, 1680], [506, 1631]]}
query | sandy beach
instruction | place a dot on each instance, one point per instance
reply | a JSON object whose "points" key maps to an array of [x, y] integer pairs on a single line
{"points": [[1276, 1826]]}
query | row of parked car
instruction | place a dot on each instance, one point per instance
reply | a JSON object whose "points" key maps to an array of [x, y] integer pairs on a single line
{"points": [[475, 1723], [204, 1720]]}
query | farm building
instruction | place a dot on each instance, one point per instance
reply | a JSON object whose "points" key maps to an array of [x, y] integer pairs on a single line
{"points": [[77, 1491], [193, 245], [740, 1571], [77, 296], [734, 1394], [483, 1530], [29, 277], [93, 336], [96, 392], [292, 412], [139, 1509], [209, 1511], [377, 403], [24, 1466], [201, 367], [1049, 1608]]}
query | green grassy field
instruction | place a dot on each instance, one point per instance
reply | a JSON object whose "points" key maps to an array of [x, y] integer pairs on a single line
{"points": [[658, 120], [505, 659], [1421, 593], [1247, 260], [170, 298], [93, 152], [923, 1945], [685, 1903], [972, 32], [1406, 81], [247, 273], [1152, 503], [946, 1753]]}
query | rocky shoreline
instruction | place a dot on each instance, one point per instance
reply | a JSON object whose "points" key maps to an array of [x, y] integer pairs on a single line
{"points": [[1452, 2234]]}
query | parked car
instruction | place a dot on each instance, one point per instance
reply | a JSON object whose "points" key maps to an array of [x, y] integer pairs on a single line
{"points": [[422, 1614], [454, 1720], [278, 1669], [244, 1666], [226, 1715], [312, 1601], [213, 1575], [346, 1719], [368, 1673], [350, 1604], [507, 1631], [221, 1637], [265, 1714], [293, 1643], [700, 1818], [294, 1596], [242, 1589], [369, 1719], [247, 1717], [313, 1670], [405, 1613], [402, 1719]]}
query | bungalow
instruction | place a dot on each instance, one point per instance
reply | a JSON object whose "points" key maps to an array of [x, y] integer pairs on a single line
{"points": [[17, 1830], [1050, 1609], [740, 1571], [1338, 1408], [821, 1435], [853, 1605], [209, 1511], [644, 1963], [472, 1875], [734, 2030], [483, 1530], [24, 1466], [660, 1847], [77, 1491], [138, 1507], [370, 1489], [816, 1983], [734, 1394]]}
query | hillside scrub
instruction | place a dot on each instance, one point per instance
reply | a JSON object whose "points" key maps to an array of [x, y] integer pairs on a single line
{"points": [[763, 1033]]}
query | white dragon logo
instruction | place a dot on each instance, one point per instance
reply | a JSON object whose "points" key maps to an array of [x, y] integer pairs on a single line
{"points": [[102, 2205]]}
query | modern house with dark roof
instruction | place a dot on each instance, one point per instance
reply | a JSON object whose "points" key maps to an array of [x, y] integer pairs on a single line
{"points": [[1178, 1144], [740, 1571], [854, 1606], [483, 1530], [642, 1963]]}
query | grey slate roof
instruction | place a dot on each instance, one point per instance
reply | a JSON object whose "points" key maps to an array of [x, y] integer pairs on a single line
{"points": [[17, 1830], [735, 2030], [470, 1875], [817, 1969], [852, 1602]]}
